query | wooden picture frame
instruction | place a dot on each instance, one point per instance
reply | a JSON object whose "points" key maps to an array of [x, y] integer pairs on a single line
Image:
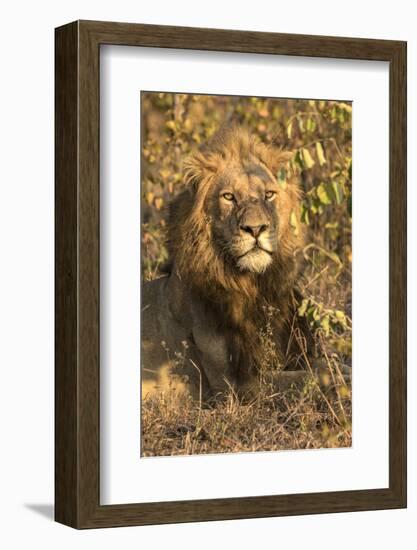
{"points": [[77, 374]]}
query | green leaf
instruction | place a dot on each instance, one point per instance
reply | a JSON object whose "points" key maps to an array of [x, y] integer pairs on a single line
{"points": [[282, 178], [305, 218], [310, 314], [323, 194], [303, 307], [298, 160], [320, 153], [289, 130], [338, 192], [325, 323], [316, 314], [307, 158], [346, 107], [294, 223], [341, 318]]}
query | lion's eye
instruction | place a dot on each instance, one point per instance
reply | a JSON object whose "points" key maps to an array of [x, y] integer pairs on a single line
{"points": [[228, 196], [269, 195]]}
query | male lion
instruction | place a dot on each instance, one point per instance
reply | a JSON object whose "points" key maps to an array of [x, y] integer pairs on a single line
{"points": [[233, 234]]}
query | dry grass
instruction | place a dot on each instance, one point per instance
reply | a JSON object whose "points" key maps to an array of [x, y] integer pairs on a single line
{"points": [[315, 415], [303, 418]]}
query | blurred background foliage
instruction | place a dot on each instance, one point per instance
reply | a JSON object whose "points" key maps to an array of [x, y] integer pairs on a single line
{"points": [[319, 133]]}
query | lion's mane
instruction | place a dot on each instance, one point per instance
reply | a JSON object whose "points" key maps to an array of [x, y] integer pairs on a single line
{"points": [[239, 300]]}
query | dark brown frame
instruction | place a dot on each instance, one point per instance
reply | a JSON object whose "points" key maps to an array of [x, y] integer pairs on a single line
{"points": [[77, 274]]}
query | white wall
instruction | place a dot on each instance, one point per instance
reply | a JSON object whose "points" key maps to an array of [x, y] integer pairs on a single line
{"points": [[26, 274]]}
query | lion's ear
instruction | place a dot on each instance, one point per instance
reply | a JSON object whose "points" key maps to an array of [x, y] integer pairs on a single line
{"points": [[284, 156], [193, 169], [274, 157], [197, 167]]}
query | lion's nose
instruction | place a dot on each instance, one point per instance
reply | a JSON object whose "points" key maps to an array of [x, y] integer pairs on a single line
{"points": [[254, 230]]}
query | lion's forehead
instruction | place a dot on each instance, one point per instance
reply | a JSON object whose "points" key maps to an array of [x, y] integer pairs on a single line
{"points": [[245, 178], [258, 171]]}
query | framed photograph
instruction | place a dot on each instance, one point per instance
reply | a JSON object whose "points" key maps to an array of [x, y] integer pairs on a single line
{"points": [[230, 274]]}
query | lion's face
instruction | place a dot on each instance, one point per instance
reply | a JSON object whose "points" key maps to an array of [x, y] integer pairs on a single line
{"points": [[233, 218], [245, 215]]}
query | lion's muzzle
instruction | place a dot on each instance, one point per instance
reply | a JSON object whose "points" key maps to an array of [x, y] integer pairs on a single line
{"points": [[254, 230], [254, 219], [255, 243]]}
